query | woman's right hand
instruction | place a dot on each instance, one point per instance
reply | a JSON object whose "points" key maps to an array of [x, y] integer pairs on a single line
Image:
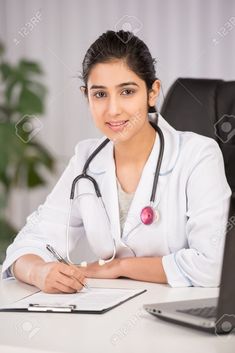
{"points": [[56, 277]]}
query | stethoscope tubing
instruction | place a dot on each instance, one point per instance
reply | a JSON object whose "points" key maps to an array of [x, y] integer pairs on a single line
{"points": [[84, 175]]}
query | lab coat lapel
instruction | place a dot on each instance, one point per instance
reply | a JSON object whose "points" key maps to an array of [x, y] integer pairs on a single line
{"points": [[143, 192], [103, 167]]}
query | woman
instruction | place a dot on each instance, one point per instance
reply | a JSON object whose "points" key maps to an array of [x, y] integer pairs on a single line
{"points": [[184, 245]]}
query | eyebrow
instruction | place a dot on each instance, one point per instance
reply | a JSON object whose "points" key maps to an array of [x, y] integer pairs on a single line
{"points": [[120, 85]]}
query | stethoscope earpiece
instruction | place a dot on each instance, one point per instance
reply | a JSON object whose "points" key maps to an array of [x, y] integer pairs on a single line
{"points": [[83, 264], [101, 262]]}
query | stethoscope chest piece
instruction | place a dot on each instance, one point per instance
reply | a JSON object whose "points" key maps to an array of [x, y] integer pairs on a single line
{"points": [[148, 215]]}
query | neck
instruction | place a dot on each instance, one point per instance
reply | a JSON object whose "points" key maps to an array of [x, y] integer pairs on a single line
{"points": [[138, 148]]}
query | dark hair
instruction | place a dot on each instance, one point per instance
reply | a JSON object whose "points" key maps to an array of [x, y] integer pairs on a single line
{"points": [[120, 45]]}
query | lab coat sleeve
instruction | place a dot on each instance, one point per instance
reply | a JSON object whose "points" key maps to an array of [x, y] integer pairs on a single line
{"points": [[48, 223], [208, 195]]}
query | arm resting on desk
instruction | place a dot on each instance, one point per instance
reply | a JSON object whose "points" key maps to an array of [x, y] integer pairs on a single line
{"points": [[147, 269]]}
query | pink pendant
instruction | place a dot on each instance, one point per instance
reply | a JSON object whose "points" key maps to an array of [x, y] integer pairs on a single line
{"points": [[147, 215]]}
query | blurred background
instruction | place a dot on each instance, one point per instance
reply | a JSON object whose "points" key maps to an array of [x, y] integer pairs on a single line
{"points": [[42, 45]]}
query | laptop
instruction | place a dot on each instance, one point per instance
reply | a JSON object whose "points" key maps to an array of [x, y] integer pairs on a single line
{"points": [[215, 315]]}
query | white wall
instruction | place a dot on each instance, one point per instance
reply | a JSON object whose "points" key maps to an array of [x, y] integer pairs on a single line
{"points": [[190, 38]]}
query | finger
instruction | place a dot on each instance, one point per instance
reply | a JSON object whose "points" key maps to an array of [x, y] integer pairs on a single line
{"points": [[63, 288], [70, 282], [53, 290], [72, 271], [78, 273]]}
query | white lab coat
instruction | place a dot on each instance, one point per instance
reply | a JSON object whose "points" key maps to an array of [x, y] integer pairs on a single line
{"points": [[192, 198]]}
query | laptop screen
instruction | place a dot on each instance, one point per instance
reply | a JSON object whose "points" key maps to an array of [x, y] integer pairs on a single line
{"points": [[226, 303]]}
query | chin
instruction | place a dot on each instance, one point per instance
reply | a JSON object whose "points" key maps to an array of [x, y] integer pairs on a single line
{"points": [[121, 138]]}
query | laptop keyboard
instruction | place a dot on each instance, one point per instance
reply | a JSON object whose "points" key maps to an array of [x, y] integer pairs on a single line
{"points": [[207, 312]]}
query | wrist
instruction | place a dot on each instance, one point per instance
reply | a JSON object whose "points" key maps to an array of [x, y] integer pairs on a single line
{"points": [[35, 272], [121, 267]]}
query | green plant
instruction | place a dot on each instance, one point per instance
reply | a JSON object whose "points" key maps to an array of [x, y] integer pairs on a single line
{"points": [[22, 157]]}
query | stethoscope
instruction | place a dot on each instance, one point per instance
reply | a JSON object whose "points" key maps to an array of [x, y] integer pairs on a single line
{"points": [[148, 214]]}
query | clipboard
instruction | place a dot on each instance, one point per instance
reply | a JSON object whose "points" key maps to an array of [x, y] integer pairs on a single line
{"points": [[83, 302]]}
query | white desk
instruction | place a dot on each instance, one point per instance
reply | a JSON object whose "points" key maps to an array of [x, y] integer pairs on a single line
{"points": [[127, 328]]}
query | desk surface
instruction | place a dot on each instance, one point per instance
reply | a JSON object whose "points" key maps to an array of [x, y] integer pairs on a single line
{"points": [[127, 328]]}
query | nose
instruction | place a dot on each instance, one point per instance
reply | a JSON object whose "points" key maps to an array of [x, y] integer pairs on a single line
{"points": [[114, 107]]}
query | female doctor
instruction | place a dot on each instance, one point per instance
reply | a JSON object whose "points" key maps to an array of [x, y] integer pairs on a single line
{"points": [[154, 201]]}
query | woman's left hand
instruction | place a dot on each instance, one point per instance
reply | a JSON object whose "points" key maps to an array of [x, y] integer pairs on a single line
{"points": [[109, 270]]}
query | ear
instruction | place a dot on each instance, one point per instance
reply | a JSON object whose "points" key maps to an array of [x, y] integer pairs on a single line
{"points": [[83, 89], [153, 93]]}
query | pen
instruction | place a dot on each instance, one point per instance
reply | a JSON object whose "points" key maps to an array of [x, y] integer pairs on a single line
{"points": [[61, 259]]}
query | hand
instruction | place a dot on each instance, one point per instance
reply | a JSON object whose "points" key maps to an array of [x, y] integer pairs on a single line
{"points": [[56, 277], [109, 270]]}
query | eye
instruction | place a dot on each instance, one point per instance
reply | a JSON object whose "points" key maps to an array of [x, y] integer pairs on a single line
{"points": [[102, 94], [99, 94], [129, 92]]}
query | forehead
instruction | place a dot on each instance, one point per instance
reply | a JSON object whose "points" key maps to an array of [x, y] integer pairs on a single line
{"points": [[111, 74]]}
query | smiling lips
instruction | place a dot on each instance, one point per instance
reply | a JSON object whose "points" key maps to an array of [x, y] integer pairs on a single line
{"points": [[117, 125]]}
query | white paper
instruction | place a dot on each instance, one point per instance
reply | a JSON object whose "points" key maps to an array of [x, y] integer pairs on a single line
{"points": [[92, 299]]}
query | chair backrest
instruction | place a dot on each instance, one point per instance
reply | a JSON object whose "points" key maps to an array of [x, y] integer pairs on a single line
{"points": [[207, 107]]}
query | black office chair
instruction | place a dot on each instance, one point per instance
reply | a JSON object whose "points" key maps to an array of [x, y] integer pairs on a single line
{"points": [[207, 107]]}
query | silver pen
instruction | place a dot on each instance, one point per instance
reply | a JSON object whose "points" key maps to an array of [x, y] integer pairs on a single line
{"points": [[61, 259]]}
